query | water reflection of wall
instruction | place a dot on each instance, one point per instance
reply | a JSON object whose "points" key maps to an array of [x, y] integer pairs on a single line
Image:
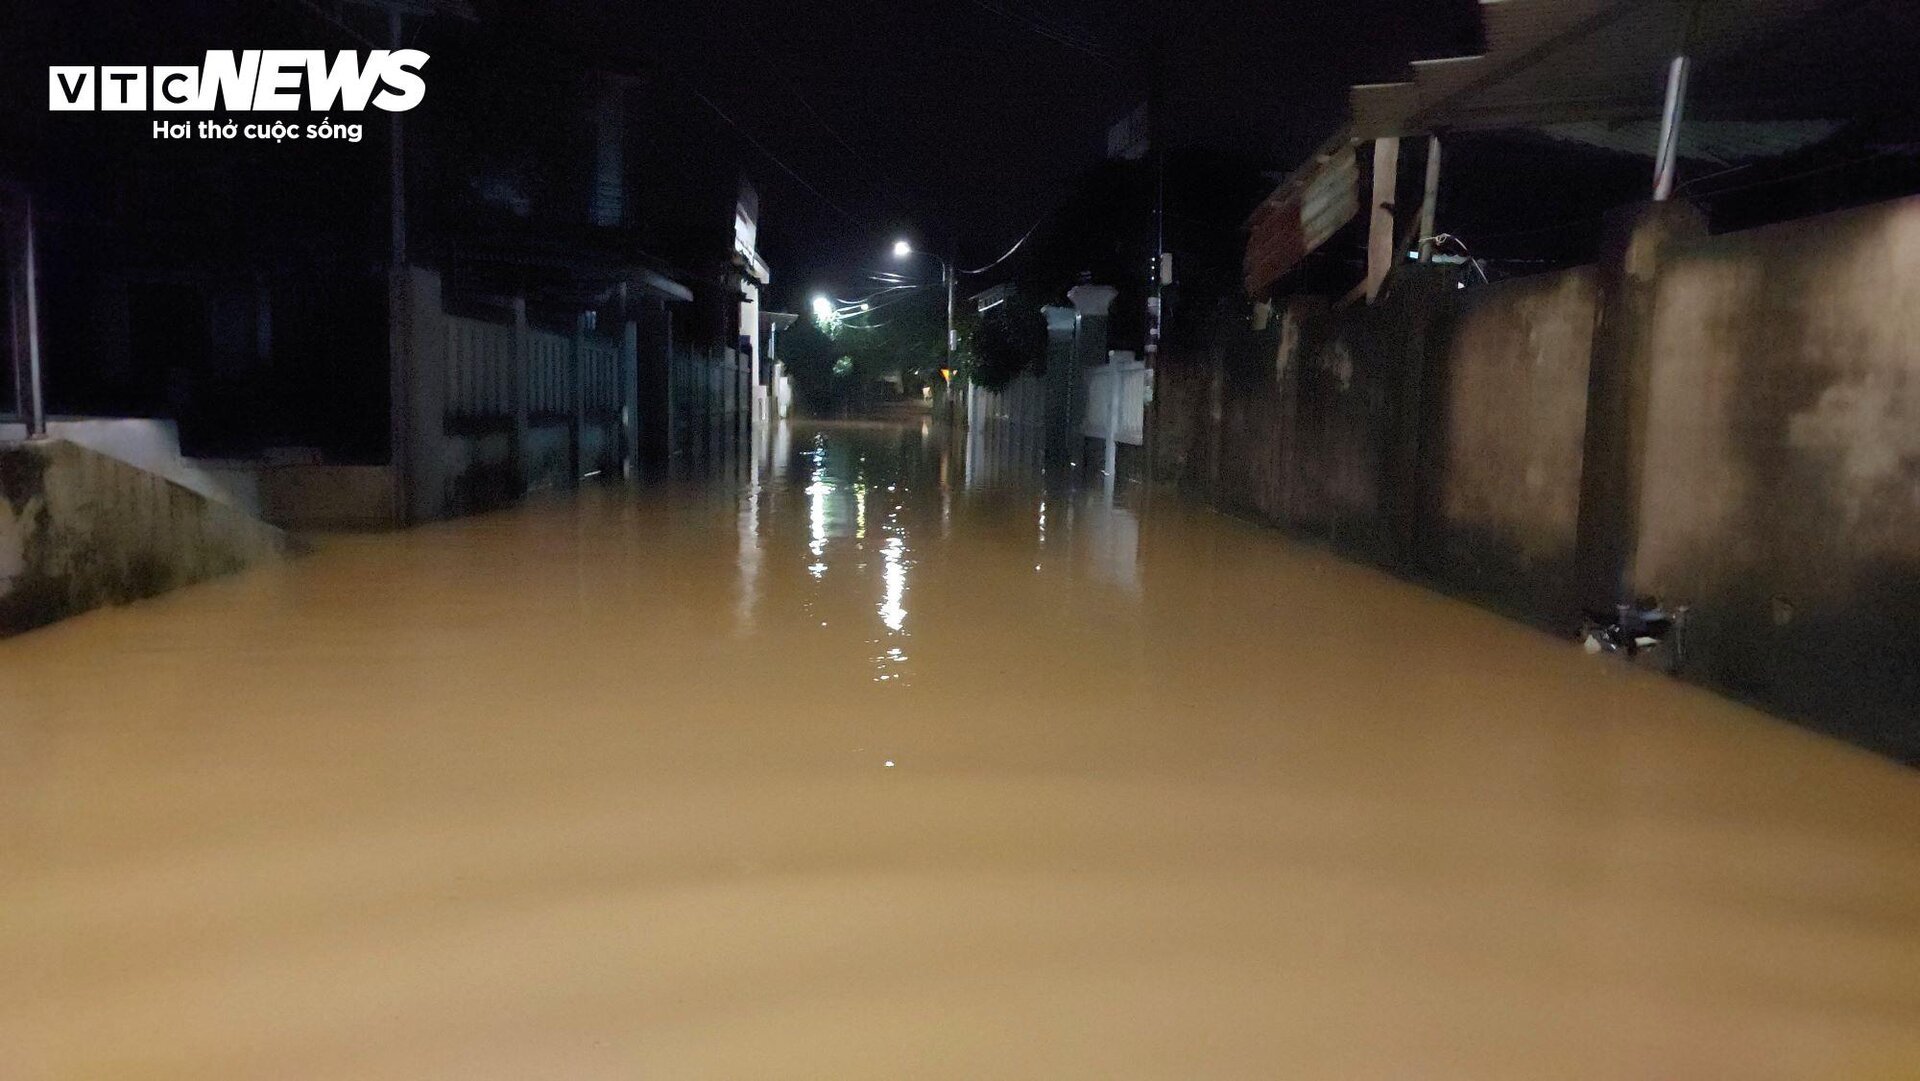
{"points": [[1002, 453], [1108, 538]]}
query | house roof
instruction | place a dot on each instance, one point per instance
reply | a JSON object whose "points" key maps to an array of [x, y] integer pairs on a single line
{"points": [[1766, 73], [1770, 77]]}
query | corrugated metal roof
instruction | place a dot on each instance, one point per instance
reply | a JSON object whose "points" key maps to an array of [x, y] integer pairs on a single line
{"points": [[1771, 76], [1718, 142], [1581, 61]]}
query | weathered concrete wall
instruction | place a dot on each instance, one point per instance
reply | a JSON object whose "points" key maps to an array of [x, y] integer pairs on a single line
{"points": [[1302, 421], [1339, 431], [1730, 423], [1781, 495], [1181, 428], [1255, 422], [79, 530], [1511, 409], [329, 497], [153, 444]]}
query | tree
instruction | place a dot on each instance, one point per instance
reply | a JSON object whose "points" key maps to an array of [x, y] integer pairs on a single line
{"points": [[810, 356], [1010, 338]]}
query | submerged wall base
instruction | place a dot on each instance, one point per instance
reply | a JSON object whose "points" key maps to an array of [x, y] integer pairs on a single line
{"points": [[79, 530]]}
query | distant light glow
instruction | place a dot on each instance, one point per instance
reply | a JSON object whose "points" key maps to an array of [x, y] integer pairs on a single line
{"points": [[902, 249]]}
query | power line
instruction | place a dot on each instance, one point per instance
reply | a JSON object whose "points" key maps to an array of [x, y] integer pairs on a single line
{"points": [[853, 306], [885, 182], [770, 155], [1045, 31], [1028, 235]]}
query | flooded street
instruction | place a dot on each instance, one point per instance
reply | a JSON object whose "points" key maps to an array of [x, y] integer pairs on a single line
{"points": [[885, 761]]}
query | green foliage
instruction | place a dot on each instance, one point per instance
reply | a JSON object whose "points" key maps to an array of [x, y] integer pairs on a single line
{"points": [[840, 367], [809, 356]]}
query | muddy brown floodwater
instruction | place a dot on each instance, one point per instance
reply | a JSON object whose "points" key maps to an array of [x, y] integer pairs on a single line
{"points": [[885, 763]]}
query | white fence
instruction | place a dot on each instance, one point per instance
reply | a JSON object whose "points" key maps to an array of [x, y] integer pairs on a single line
{"points": [[549, 373], [1021, 402], [600, 391], [481, 378], [480, 360], [1117, 400]]}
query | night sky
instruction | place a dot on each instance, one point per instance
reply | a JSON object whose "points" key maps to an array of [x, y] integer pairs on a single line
{"points": [[957, 122], [970, 118]]}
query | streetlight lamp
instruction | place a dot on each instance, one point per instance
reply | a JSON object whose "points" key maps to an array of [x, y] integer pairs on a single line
{"points": [[902, 250]]}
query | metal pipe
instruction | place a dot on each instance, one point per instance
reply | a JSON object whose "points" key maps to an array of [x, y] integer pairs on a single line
{"points": [[953, 341], [1666, 164], [35, 407]]}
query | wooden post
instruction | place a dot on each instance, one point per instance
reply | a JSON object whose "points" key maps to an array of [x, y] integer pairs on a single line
{"points": [[1381, 241], [1430, 202]]}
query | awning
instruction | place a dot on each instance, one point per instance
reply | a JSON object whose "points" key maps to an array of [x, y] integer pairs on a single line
{"points": [[1304, 213], [1770, 75]]}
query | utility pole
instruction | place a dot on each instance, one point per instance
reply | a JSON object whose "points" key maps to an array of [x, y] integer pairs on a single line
{"points": [[950, 265], [1162, 258], [949, 275]]}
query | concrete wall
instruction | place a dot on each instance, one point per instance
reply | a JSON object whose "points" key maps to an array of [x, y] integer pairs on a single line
{"points": [[1729, 423], [328, 497], [1313, 420], [1511, 412], [79, 529], [1781, 497], [154, 445], [1250, 458]]}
